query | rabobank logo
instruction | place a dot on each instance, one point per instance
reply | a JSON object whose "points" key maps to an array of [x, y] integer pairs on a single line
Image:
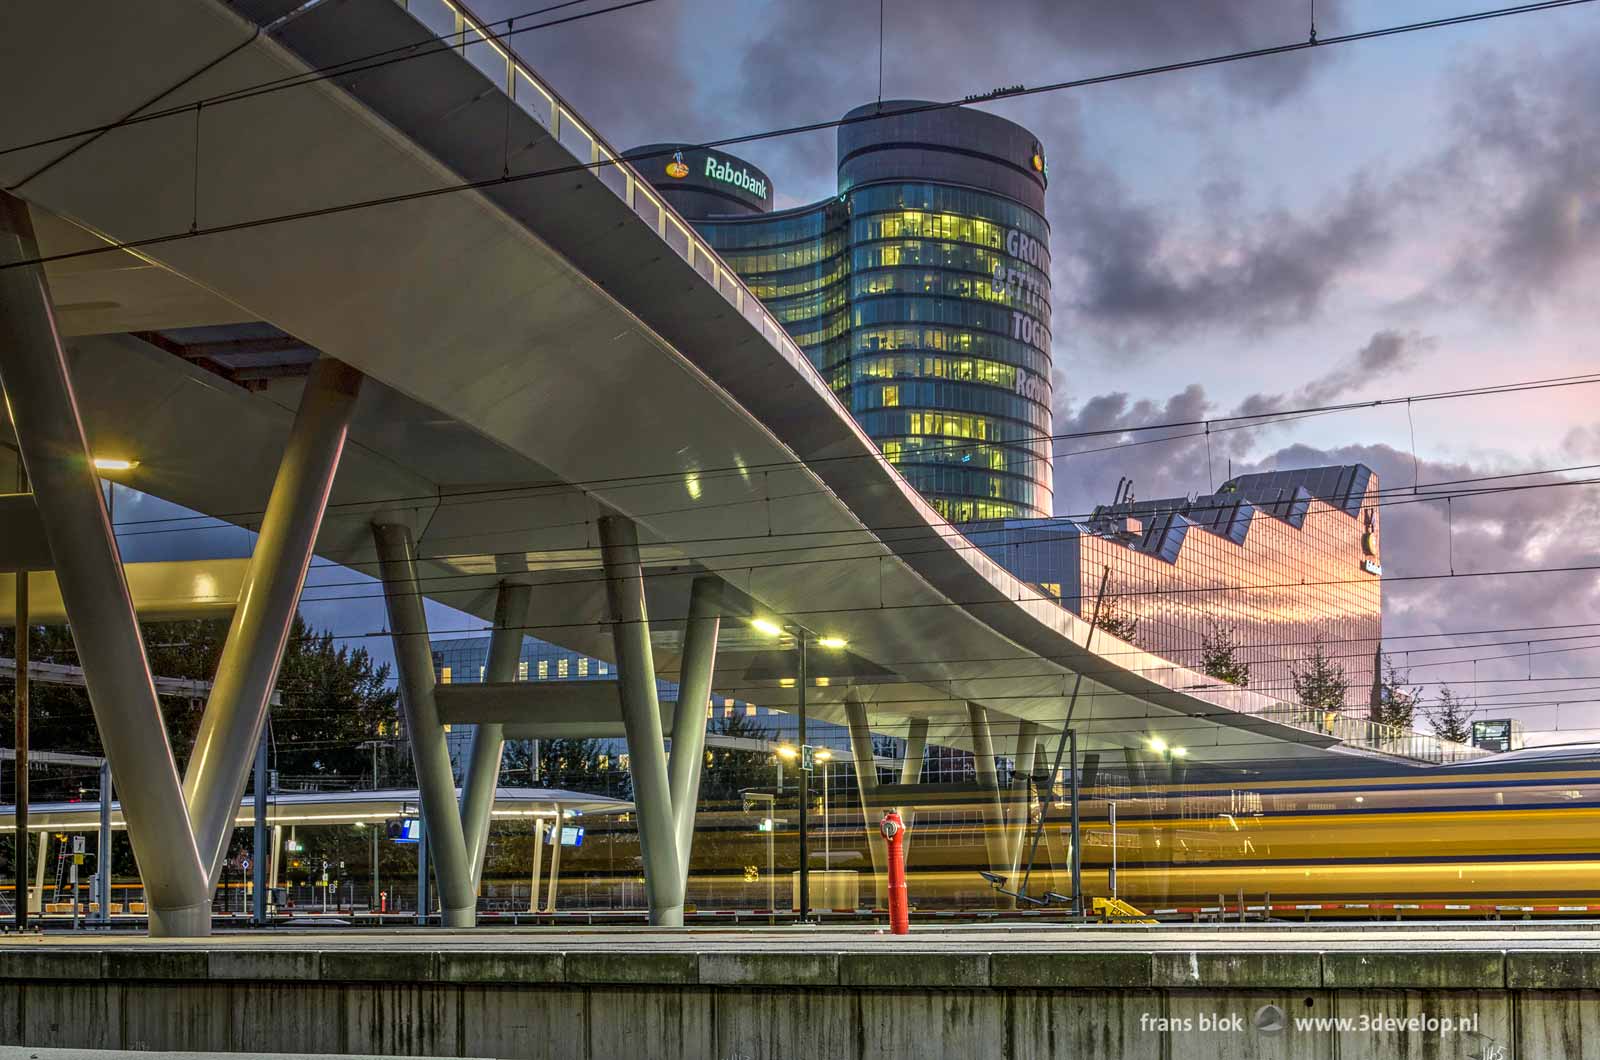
{"points": [[740, 178]]}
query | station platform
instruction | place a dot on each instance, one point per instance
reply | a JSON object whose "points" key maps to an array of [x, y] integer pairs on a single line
{"points": [[1490, 990]]}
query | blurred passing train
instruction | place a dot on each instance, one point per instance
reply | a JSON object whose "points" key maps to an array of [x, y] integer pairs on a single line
{"points": [[1516, 829]]}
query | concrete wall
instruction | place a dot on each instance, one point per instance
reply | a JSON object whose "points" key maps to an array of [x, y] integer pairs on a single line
{"points": [[726, 1006]]}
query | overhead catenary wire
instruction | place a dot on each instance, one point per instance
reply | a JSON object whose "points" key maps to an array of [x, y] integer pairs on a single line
{"points": [[433, 45], [315, 213], [642, 480]]}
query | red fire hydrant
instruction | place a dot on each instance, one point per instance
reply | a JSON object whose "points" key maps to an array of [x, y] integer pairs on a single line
{"points": [[894, 833]]}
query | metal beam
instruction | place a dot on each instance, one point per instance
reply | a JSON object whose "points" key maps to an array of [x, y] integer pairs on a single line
{"points": [[641, 717], [167, 591], [55, 450], [397, 563], [553, 709], [482, 773], [62, 674], [230, 729]]}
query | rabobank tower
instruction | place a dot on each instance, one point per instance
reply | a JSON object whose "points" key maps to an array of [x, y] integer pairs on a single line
{"points": [[921, 290]]}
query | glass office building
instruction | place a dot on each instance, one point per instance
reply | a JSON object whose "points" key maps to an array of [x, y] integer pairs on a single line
{"points": [[921, 290], [1282, 561]]}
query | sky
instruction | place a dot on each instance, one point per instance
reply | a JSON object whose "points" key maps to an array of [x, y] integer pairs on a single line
{"points": [[1387, 218]]}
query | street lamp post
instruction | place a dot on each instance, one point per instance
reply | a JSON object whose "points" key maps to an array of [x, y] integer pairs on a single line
{"points": [[802, 643], [803, 638]]}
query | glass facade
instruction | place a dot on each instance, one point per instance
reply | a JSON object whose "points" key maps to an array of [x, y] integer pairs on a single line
{"points": [[922, 293], [463, 660], [1285, 561]]}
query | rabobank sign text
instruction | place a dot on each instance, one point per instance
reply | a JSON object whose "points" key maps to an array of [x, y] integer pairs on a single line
{"points": [[740, 178]]}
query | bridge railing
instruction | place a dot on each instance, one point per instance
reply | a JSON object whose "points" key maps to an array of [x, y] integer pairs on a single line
{"points": [[480, 43], [1349, 728]]}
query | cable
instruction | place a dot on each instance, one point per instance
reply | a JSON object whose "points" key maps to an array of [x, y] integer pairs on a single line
{"points": [[505, 492], [1013, 93], [434, 45]]}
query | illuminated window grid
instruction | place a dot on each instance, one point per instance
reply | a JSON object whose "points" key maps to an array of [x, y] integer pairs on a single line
{"points": [[1277, 627]]}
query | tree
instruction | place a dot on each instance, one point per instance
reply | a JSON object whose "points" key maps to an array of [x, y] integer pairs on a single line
{"points": [[729, 770], [333, 700], [1319, 681], [1450, 717], [1219, 655], [1395, 699], [1117, 621]]}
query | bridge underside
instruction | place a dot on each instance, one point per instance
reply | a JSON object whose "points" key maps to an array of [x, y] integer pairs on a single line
{"points": [[519, 365]]}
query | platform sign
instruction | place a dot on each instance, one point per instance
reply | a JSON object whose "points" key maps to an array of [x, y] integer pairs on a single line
{"points": [[571, 836], [409, 830], [1492, 735]]}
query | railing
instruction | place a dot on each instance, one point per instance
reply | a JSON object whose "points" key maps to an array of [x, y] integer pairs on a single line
{"points": [[476, 41], [1372, 735]]}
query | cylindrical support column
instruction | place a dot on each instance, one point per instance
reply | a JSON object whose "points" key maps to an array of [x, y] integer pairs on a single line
{"points": [[23, 640], [423, 902], [689, 723], [408, 625], [1077, 826], [277, 852], [538, 862], [641, 721], [555, 868], [1022, 762], [258, 847], [989, 781], [802, 644], [102, 850], [911, 773], [231, 726], [482, 774], [55, 450]]}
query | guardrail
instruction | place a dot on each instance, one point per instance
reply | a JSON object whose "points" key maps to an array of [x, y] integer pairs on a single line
{"points": [[477, 41]]}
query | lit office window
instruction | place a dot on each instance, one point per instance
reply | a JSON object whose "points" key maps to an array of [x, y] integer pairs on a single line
{"points": [[544, 669], [583, 667], [444, 675], [749, 710], [561, 667], [522, 670]]}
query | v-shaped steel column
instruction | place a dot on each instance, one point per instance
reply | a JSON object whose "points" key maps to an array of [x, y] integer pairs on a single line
{"points": [[689, 722], [177, 867], [408, 625], [482, 773], [230, 730], [664, 798]]}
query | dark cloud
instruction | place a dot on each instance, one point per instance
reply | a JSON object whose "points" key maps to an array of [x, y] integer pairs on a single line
{"points": [[1190, 459], [1388, 352], [1553, 526], [1523, 167], [1133, 273]]}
